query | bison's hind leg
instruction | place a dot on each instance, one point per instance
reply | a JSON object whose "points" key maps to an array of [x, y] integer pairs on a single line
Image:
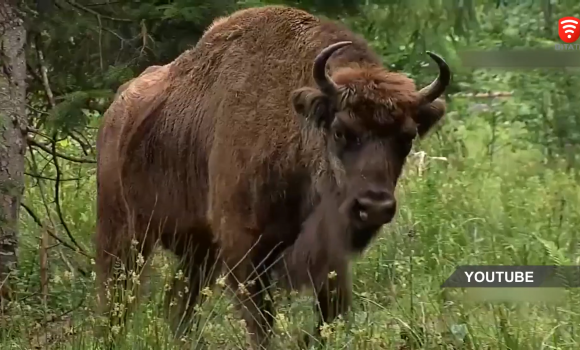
{"points": [[123, 249], [197, 270]]}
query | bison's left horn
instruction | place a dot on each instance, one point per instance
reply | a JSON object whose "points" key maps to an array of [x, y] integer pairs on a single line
{"points": [[437, 87], [324, 82]]}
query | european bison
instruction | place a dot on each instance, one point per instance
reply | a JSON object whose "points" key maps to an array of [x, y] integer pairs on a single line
{"points": [[280, 135]]}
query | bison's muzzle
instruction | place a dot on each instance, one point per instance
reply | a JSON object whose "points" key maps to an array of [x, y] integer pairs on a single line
{"points": [[372, 208], [375, 207]]}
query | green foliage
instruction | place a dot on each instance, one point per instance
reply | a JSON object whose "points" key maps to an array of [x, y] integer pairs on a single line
{"points": [[67, 115]]}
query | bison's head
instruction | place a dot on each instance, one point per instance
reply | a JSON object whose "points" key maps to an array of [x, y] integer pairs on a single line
{"points": [[369, 117]]}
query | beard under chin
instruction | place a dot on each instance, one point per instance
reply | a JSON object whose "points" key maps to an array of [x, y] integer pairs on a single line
{"points": [[322, 243], [328, 236]]}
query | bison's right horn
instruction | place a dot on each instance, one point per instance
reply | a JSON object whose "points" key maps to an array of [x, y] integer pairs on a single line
{"points": [[324, 82], [437, 87]]}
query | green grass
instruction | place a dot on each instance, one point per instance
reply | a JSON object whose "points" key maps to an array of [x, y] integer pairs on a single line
{"points": [[474, 207]]}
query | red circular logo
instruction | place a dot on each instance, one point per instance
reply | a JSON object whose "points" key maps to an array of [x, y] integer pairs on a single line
{"points": [[569, 29]]}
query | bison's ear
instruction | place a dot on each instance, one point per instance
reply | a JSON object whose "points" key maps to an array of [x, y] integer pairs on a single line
{"points": [[429, 115], [313, 105]]}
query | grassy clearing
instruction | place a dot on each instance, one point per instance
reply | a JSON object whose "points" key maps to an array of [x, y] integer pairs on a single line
{"points": [[495, 199]]}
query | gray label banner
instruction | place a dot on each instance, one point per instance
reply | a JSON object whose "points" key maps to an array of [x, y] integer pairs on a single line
{"points": [[561, 56], [494, 276]]}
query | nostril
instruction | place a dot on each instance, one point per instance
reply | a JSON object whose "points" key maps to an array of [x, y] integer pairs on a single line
{"points": [[376, 199], [370, 204], [369, 210], [388, 205], [378, 195]]}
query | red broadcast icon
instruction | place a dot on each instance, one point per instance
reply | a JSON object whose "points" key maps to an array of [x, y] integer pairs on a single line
{"points": [[569, 29]]}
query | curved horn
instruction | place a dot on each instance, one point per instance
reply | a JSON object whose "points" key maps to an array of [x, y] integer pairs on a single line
{"points": [[324, 82], [437, 87]]}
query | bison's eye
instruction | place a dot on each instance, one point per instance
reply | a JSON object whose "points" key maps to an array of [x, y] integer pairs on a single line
{"points": [[346, 138]]}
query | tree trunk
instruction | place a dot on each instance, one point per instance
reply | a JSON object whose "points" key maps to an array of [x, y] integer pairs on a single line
{"points": [[12, 141]]}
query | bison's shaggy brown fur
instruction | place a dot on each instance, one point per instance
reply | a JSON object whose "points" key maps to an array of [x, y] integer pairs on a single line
{"points": [[243, 149]]}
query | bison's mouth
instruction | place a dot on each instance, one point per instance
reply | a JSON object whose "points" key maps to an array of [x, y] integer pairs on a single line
{"points": [[365, 225]]}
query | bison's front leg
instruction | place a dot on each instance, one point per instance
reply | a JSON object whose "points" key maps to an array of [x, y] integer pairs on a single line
{"points": [[198, 261], [242, 246], [333, 298], [251, 284]]}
